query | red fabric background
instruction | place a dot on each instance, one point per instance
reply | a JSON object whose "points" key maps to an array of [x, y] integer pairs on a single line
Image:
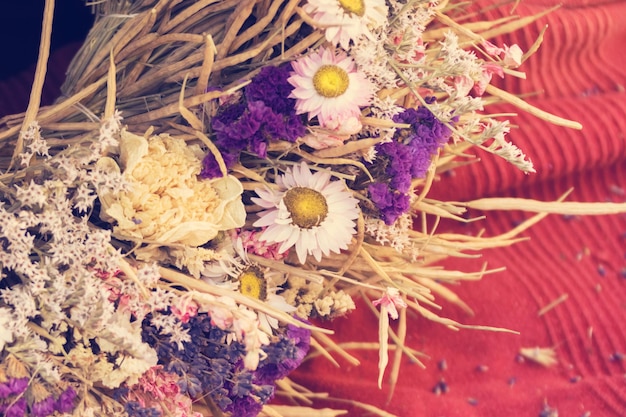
{"points": [[581, 74]]}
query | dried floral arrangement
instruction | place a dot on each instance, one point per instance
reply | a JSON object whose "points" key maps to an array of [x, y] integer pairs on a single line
{"points": [[218, 176]]}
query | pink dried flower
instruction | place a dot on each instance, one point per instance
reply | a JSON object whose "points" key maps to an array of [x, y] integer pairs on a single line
{"points": [[463, 85], [186, 309], [159, 389], [161, 385], [252, 244], [512, 55], [491, 48], [390, 302], [221, 317], [111, 283], [335, 133], [488, 70]]}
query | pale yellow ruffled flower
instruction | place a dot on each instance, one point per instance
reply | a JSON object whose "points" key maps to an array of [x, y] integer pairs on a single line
{"points": [[167, 202]]}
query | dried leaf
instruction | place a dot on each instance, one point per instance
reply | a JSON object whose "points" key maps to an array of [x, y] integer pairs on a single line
{"points": [[543, 356]]}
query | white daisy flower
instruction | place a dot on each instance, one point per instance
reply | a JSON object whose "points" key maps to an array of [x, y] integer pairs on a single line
{"points": [[308, 211], [236, 272], [347, 20], [327, 85]]}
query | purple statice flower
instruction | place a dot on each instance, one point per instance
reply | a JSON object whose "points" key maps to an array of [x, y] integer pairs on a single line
{"points": [[265, 113], [425, 127], [270, 127], [390, 203], [16, 409], [210, 167], [425, 136], [421, 161], [271, 87], [234, 126], [407, 157], [228, 114], [252, 131], [65, 402], [398, 160], [245, 407], [13, 386], [5, 392], [43, 408]]}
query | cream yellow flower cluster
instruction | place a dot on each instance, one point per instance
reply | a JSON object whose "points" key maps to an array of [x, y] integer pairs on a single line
{"points": [[313, 300], [167, 202]]}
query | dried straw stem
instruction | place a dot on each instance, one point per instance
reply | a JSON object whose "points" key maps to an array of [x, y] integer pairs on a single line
{"points": [[40, 75]]}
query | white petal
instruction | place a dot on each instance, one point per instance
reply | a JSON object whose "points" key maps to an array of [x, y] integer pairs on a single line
{"points": [[290, 241], [266, 218], [301, 251]]}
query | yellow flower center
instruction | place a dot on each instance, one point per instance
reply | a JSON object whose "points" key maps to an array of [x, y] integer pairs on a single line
{"points": [[331, 81], [353, 6], [252, 283], [308, 208]]}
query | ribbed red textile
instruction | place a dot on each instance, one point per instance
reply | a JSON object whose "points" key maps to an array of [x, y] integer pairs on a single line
{"points": [[580, 72]]}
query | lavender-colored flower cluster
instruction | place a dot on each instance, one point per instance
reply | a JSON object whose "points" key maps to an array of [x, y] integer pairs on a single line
{"points": [[404, 159], [13, 402], [265, 113], [283, 356], [210, 364], [134, 409]]}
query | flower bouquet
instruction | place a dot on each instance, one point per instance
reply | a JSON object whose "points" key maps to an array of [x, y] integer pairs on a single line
{"points": [[221, 179]]}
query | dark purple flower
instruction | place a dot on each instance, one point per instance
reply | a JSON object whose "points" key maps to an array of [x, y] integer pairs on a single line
{"points": [[271, 87], [301, 337], [390, 203], [210, 167], [398, 160], [265, 392], [65, 402], [43, 408], [17, 409], [4, 390], [426, 130], [232, 134], [229, 114], [275, 126], [407, 157], [283, 356], [13, 386], [245, 407], [265, 114], [253, 129]]}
